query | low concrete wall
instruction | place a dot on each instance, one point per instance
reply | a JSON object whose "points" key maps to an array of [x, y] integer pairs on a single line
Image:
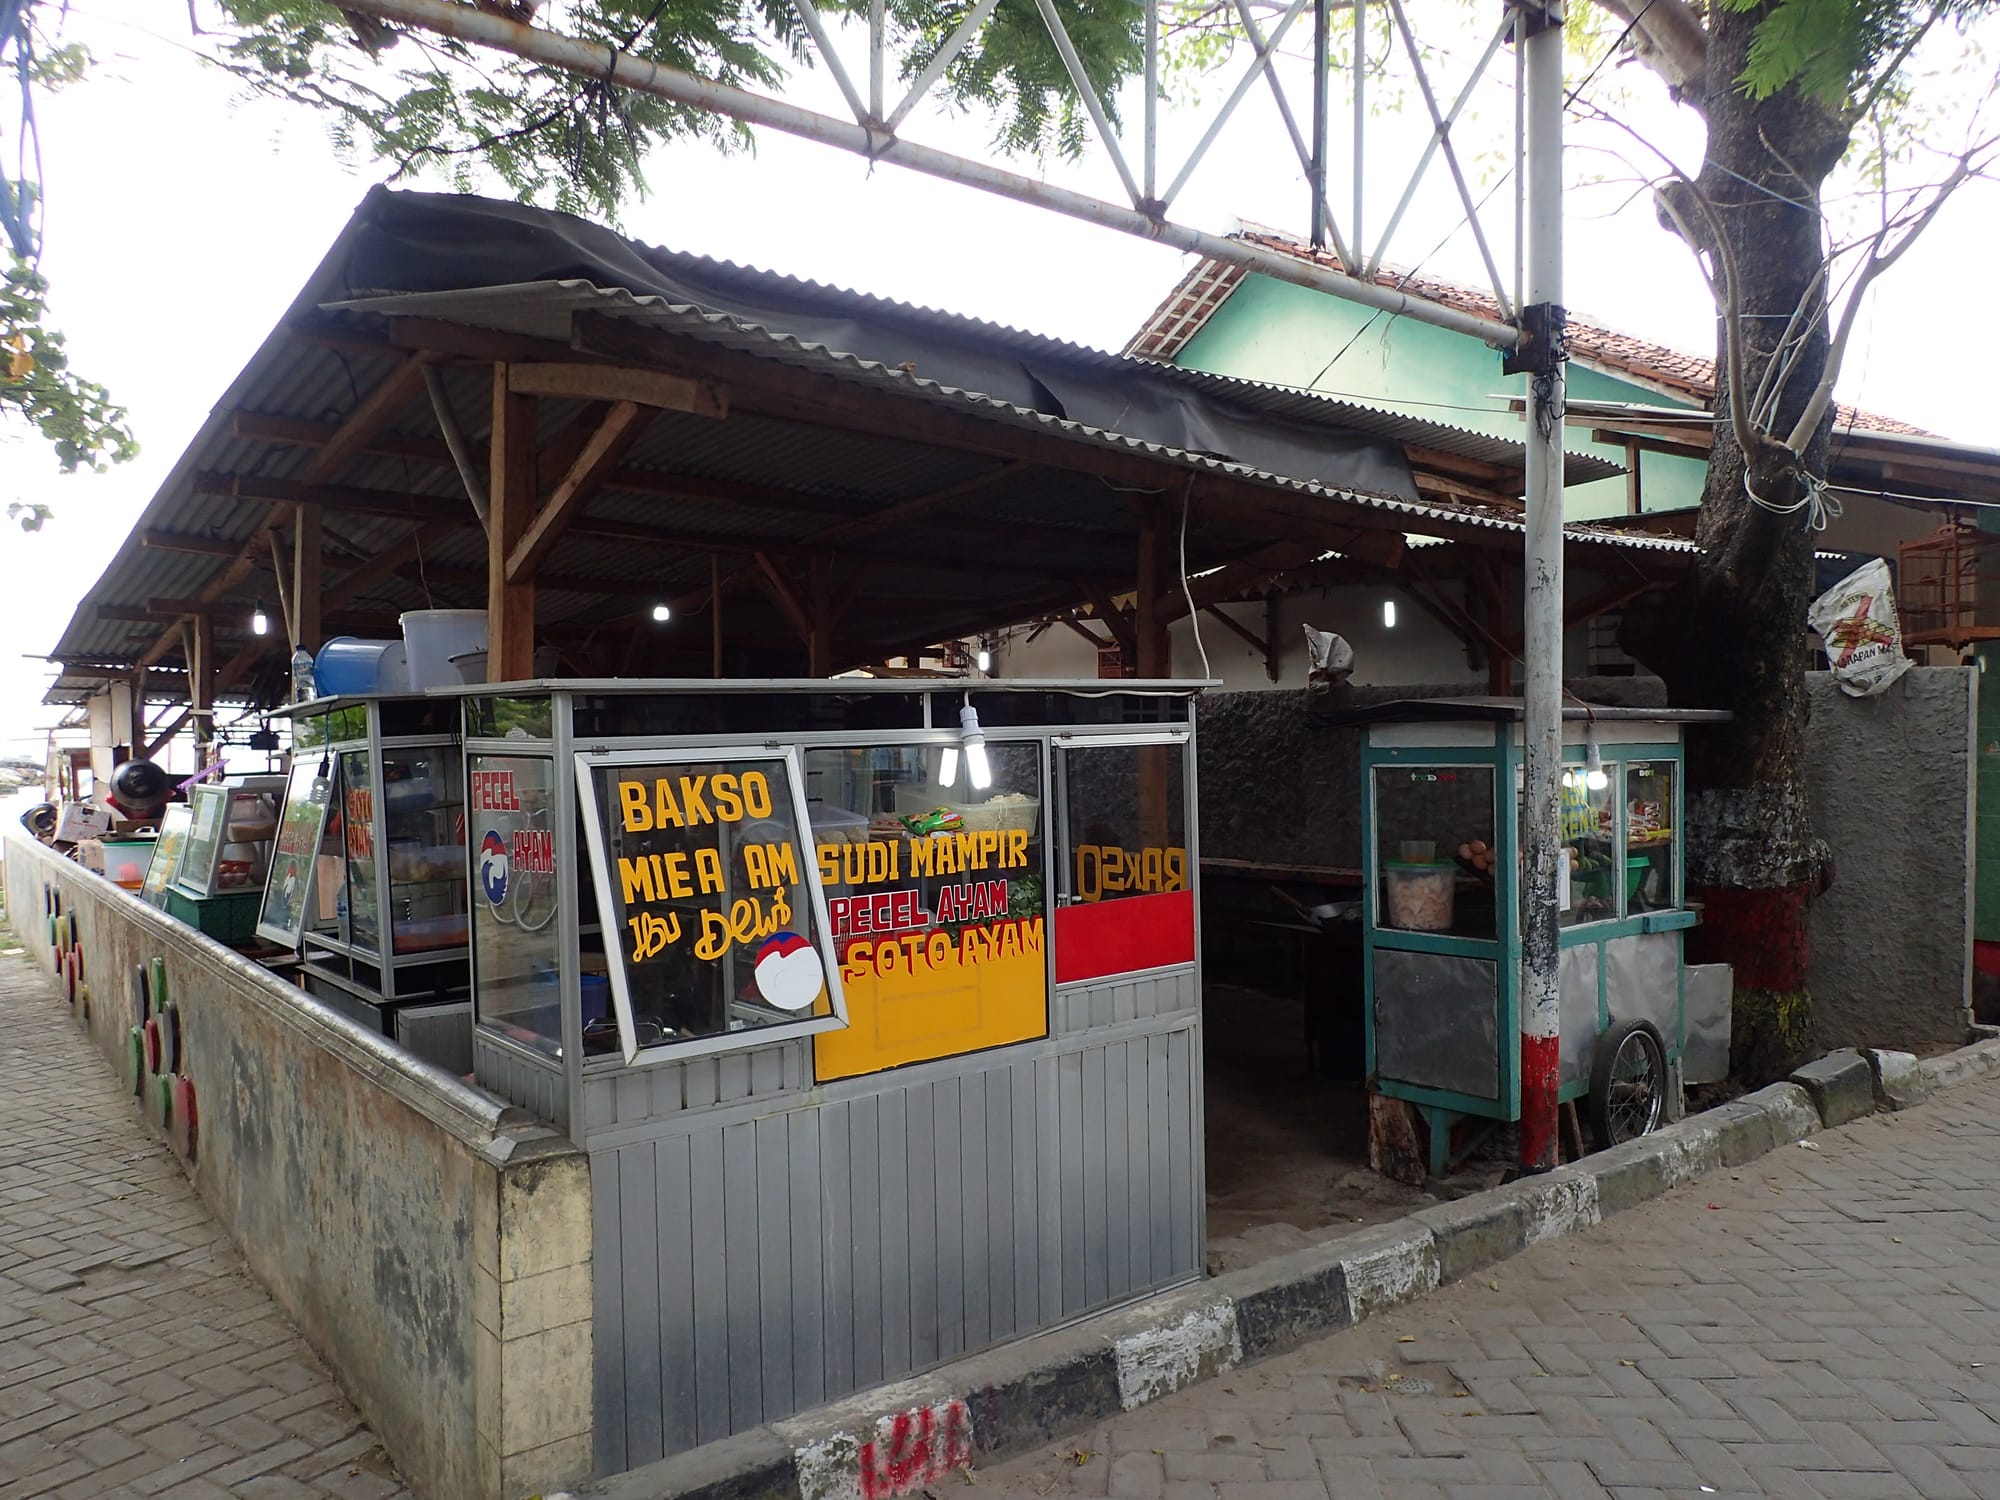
{"points": [[430, 1242], [1891, 780]]}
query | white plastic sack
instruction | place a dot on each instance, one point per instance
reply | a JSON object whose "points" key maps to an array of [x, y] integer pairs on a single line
{"points": [[1856, 618], [1331, 657]]}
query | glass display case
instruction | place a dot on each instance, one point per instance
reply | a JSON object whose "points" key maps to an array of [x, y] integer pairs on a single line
{"points": [[229, 838], [167, 851], [1442, 905], [370, 882]]}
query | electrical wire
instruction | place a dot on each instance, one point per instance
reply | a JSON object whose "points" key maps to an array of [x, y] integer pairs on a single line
{"points": [[1187, 589]]}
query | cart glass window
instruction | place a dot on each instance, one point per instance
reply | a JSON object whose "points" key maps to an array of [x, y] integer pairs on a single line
{"points": [[1590, 888], [707, 886], [1436, 857], [423, 817], [936, 901], [1650, 822], [516, 939], [290, 881], [1127, 899], [167, 849], [357, 825], [205, 839]]}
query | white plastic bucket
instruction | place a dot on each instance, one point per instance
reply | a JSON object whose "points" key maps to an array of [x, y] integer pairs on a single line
{"points": [[470, 666], [434, 636], [346, 665]]}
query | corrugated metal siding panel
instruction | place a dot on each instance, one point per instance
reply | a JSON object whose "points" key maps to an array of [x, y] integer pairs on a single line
{"points": [[748, 1268], [533, 1086], [1082, 1007]]}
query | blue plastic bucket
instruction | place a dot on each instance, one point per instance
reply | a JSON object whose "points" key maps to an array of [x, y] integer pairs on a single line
{"points": [[349, 666]]}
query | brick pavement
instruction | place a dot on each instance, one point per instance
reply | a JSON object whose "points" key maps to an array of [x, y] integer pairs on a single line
{"points": [[1822, 1323], [137, 1355]]}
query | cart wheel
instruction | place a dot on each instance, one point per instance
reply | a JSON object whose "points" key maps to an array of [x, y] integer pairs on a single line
{"points": [[1628, 1084]]}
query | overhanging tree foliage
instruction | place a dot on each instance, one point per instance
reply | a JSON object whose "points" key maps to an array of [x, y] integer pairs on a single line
{"points": [[38, 389]]}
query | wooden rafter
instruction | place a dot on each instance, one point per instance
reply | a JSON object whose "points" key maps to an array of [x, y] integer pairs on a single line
{"points": [[654, 388], [620, 427]]}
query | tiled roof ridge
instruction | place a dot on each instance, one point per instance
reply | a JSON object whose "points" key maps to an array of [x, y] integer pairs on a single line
{"points": [[1207, 286]]}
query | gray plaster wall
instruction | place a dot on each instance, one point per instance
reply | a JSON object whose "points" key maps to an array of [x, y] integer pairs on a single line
{"points": [[1278, 786], [1891, 782]]}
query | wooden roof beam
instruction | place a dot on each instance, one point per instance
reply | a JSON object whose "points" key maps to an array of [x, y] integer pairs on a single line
{"points": [[565, 505]]}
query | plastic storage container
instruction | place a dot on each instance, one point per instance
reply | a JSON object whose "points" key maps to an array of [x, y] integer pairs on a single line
{"points": [[470, 666], [126, 861], [349, 666], [1420, 897], [433, 637]]}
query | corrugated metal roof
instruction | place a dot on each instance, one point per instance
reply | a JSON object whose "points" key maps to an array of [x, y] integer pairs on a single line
{"points": [[594, 579]]}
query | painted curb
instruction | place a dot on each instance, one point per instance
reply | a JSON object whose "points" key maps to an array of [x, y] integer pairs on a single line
{"points": [[902, 1439]]}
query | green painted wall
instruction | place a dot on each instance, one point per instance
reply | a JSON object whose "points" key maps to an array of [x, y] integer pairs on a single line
{"points": [[1289, 335]]}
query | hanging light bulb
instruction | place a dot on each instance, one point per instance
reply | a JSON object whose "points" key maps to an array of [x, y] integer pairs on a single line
{"points": [[948, 768], [1593, 761], [1389, 614], [977, 770], [985, 659], [661, 614], [260, 623]]}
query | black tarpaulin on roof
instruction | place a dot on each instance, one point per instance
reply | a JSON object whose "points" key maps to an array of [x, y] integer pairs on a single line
{"points": [[430, 242]]}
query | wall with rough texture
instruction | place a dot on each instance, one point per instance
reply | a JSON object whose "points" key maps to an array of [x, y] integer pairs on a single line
{"points": [[1277, 786], [428, 1241], [1891, 780]]}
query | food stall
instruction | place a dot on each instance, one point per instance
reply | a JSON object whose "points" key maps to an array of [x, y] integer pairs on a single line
{"points": [[875, 1003], [208, 867], [1441, 796], [368, 882]]}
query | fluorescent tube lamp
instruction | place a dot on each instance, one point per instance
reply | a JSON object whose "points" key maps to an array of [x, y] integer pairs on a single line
{"points": [[977, 770], [948, 770], [985, 660], [1389, 614], [661, 614], [260, 623]]}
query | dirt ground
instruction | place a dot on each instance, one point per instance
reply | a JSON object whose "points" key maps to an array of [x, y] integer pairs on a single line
{"points": [[1287, 1148]]}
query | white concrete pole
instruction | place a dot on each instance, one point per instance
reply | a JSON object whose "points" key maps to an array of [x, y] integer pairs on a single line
{"points": [[1541, 37]]}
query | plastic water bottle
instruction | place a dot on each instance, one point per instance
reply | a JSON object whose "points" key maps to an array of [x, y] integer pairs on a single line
{"points": [[302, 675]]}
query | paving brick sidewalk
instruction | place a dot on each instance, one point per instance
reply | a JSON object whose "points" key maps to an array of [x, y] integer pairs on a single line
{"points": [[137, 1355], [1822, 1323]]}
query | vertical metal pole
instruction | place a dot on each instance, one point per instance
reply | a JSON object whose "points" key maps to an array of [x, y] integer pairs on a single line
{"points": [[1541, 37], [1321, 62], [876, 43], [1355, 235], [1150, 168]]}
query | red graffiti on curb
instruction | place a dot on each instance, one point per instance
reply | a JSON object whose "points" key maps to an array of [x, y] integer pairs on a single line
{"points": [[915, 1448]]}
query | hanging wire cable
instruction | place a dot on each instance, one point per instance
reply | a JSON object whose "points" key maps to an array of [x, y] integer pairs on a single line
{"points": [[1187, 589]]}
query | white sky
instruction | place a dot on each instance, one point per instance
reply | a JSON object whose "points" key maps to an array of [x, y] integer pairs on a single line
{"points": [[182, 220]]}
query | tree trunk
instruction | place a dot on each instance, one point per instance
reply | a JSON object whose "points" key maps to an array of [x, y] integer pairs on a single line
{"points": [[1732, 635]]}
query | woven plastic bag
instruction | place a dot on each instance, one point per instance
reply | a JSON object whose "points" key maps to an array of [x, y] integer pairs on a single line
{"points": [[1856, 618]]}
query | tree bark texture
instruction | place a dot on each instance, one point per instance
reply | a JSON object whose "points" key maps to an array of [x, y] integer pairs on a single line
{"points": [[1732, 635]]}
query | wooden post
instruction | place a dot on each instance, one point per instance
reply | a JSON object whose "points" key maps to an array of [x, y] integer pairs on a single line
{"points": [[715, 614], [201, 685], [306, 579], [819, 641], [510, 488]]}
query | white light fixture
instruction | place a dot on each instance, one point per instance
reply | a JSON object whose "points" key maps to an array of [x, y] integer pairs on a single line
{"points": [[1593, 759], [948, 770], [661, 614], [985, 659], [977, 770], [1389, 614], [260, 623]]}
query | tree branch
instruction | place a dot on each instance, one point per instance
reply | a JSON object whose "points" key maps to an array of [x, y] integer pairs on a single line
{"points": [[1669, 39], [1879, 260]]}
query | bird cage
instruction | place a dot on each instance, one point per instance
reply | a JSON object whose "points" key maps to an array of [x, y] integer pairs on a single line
{"points": [[1950, 587]]}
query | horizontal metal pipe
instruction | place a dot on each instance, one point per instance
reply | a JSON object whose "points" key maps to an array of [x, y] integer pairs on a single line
{"points": [[482, 28]]}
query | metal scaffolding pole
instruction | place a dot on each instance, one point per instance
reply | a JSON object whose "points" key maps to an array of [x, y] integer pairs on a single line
{"points": [[1542, 357]]}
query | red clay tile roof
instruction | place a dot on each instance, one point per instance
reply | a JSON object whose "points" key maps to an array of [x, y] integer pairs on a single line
{"points": [[1205, 288]]}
